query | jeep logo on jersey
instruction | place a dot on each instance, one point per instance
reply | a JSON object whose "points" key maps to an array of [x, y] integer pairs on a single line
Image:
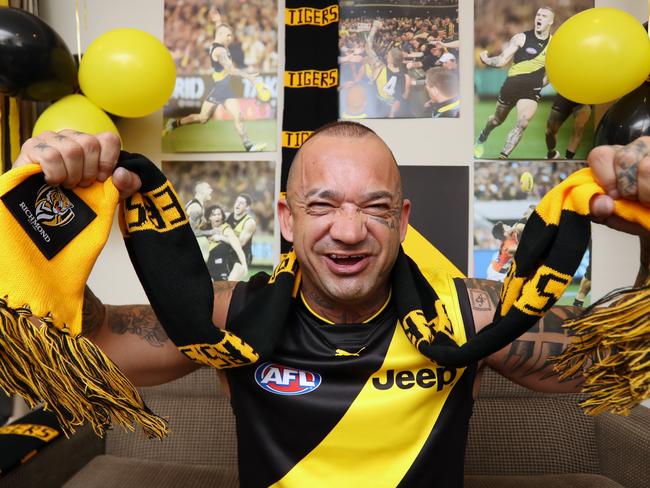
{"points": [[423, 378], [283, 380]]}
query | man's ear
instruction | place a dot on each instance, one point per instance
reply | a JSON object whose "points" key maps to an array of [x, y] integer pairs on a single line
{"points": [[404, 219], [286, 219]]}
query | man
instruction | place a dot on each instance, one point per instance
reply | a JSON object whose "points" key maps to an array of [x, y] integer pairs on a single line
{"points": [[243, 224], [392, 82], [226, 260], [442, 87], [221, 93], [195, 208], [525, 80], [560, 111], [448, 61], [430, 58], [346, 217]]}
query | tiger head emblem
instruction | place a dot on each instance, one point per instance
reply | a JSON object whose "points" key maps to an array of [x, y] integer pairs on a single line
{"points": [[53, 208]]}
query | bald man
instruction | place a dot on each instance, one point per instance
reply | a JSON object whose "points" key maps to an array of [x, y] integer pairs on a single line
{"points": [[342, 365]]}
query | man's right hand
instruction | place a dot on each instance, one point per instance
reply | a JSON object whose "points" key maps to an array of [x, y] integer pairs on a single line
{"points": [[71, 158]]}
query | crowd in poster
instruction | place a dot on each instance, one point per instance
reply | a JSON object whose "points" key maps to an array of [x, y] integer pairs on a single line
{"points": [[518, 113], [399, 59], [505, 194], [225, 98], [230, 206]]}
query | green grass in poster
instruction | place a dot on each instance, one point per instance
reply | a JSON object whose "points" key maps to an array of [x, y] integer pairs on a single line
{"points": [[533, 142], [218, 136]]}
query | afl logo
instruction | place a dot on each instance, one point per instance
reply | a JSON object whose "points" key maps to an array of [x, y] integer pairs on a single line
{"points": [[531, 50], [283, 380], [53, 208]]}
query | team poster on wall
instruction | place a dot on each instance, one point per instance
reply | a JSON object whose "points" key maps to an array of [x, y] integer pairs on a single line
{"points": [[505, 194], [399, 59], [230, 208], [518, 114], [226, 56]]}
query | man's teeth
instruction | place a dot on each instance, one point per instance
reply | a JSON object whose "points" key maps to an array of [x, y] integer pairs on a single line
{"points": [[336, 256]]}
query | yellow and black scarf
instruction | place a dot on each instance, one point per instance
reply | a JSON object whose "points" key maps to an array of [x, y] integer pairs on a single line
{"points": [[51, 238]]}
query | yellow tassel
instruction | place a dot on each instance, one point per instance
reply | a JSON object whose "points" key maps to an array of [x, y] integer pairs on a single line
{"points": [[611, 348], [71, 376]]}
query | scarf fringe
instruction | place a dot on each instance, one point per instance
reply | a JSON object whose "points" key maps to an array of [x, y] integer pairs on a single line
{"points": [[72, 377], [611, 349]]}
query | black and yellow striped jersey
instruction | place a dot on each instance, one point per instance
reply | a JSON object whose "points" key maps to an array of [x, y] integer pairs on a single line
{"points": [[353, 404], [529, 60]]}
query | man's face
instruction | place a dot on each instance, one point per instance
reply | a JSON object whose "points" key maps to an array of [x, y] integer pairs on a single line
{"points": [[224, 36], [204, 190], [240, 206], [543, 20], [450, 64], [345, 217], [216, 218]]}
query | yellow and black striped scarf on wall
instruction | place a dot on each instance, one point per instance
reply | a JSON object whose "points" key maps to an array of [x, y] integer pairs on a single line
{"points": [[311, 75], [52, 237]]}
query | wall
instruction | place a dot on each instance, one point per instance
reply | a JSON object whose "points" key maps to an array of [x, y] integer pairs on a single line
{"points": [[414, 141]]}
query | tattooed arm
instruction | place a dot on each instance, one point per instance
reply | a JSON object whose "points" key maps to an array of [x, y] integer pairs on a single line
{"points": [[526, 360], [136, 342]]}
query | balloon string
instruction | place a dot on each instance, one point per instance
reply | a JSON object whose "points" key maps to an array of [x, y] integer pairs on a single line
{"points": [[76, 16]]}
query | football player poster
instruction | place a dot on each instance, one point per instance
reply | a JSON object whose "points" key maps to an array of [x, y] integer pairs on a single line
{"points": [[518, 114], [226, 56], [399, 59], [230, 207], [505, 194]]}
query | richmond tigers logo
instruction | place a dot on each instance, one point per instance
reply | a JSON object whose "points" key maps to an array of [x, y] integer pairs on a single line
{"points": [[53, 208]]}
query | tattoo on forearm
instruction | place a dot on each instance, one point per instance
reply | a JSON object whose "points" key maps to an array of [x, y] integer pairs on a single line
{"points": [[529, 355], [139, 320], [92, 314]]}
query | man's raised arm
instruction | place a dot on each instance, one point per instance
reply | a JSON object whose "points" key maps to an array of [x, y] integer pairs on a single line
{"points": [[623, 172], [130, 335], [526, 360]]}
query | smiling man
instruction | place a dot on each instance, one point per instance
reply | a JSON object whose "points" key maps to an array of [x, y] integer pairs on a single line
{"points": [[345, 395]]}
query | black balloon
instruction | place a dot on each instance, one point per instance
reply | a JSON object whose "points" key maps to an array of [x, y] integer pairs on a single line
{"points": [[627, 119], [35, 63]]}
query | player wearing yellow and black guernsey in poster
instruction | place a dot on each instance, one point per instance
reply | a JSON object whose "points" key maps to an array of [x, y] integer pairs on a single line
{"points": [[243, 224], [392, 83], [526, 78], [221, 92]]}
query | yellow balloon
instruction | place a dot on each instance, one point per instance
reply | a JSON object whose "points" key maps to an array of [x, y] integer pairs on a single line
{"points": [[127, 72], [74, 112], [598, 55]]}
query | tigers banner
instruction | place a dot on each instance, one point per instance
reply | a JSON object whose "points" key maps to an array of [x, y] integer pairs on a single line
{"points": [[311, 76]]}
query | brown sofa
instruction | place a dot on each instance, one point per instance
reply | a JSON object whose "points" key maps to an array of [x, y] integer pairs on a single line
{"points": [[518, 438]]}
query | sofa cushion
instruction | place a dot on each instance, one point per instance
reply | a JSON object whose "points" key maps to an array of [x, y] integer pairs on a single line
{"points": [[201, 423], [107, 470], [542, 481]]}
